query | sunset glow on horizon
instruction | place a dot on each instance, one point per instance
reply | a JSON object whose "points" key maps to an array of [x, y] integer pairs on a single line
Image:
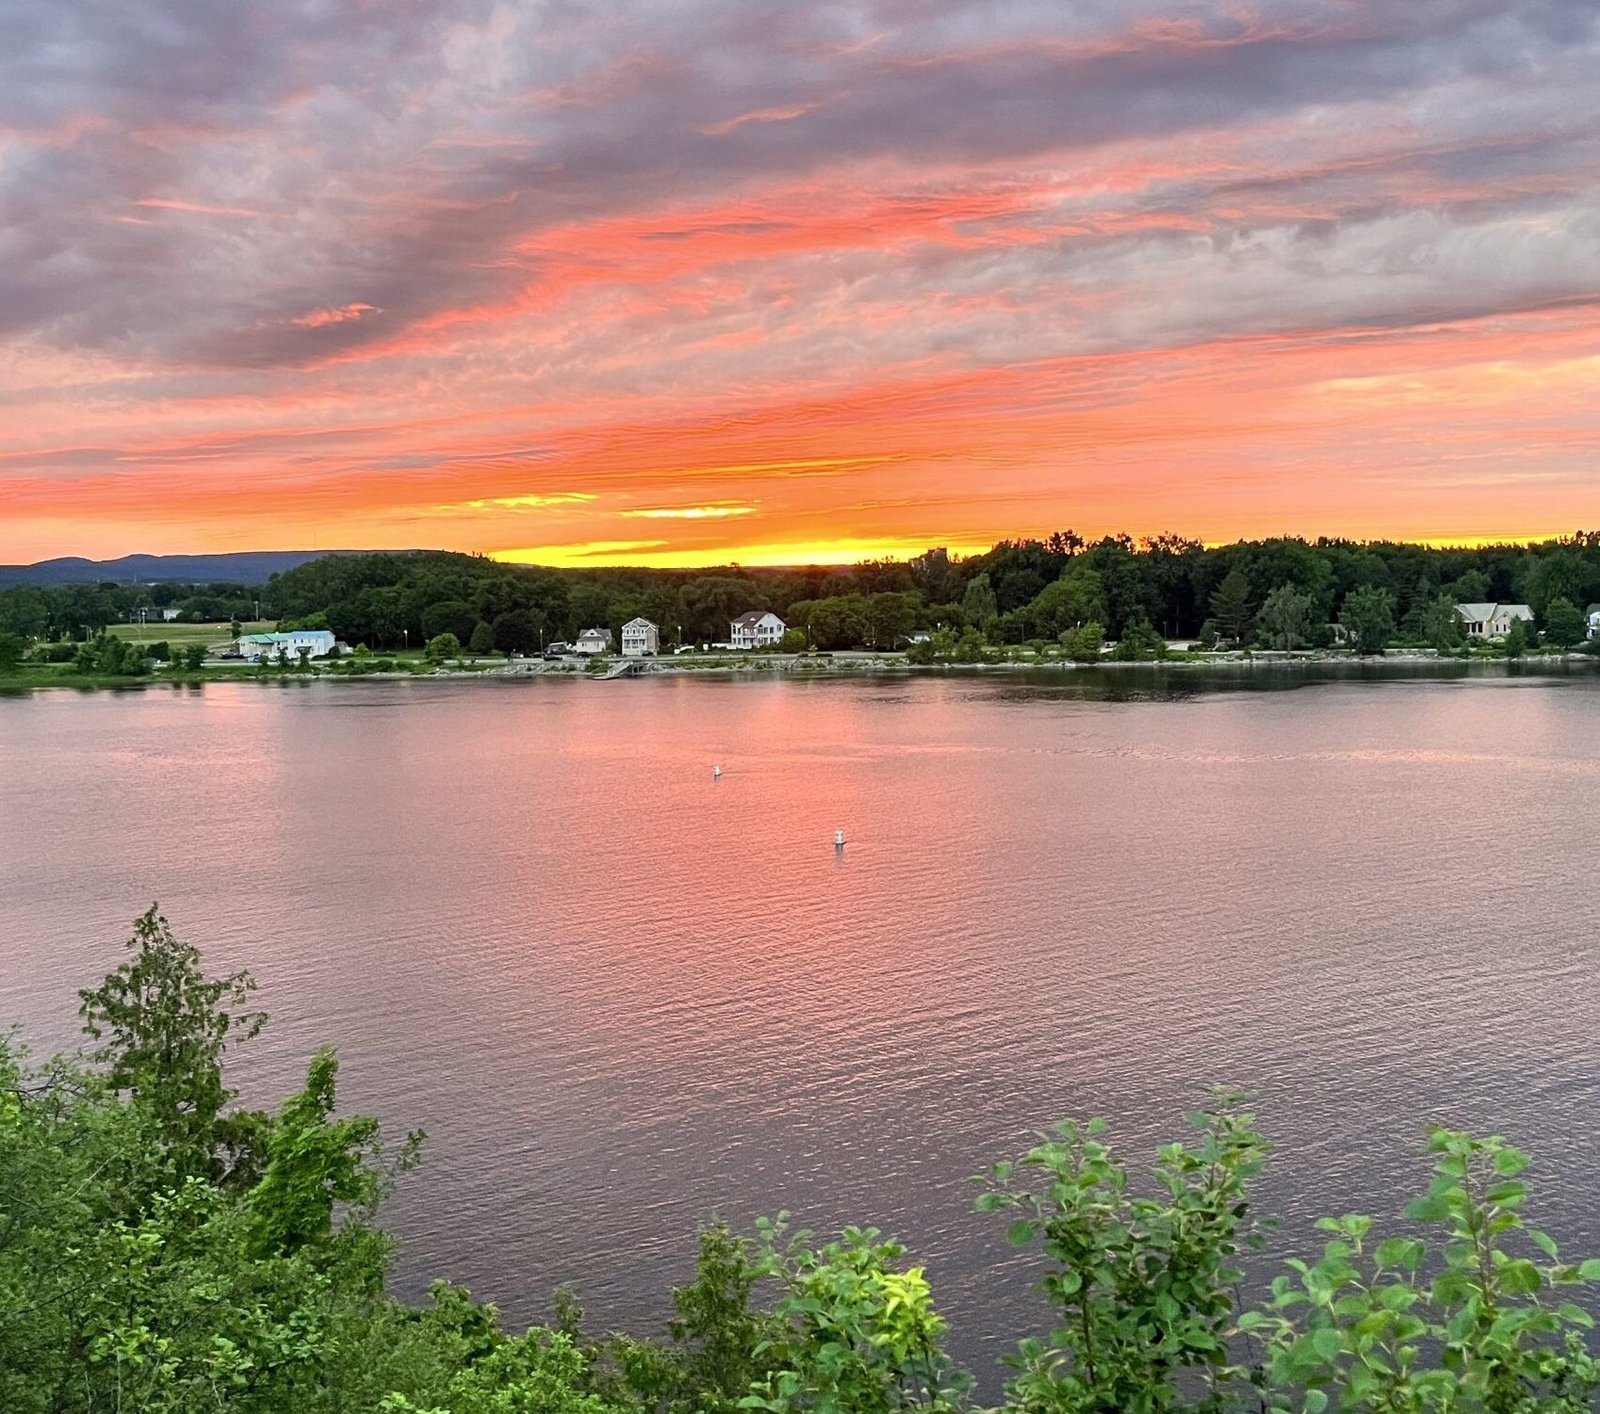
{"points": [[685, 283]]}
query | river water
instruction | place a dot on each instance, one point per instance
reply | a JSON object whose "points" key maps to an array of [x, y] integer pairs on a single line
{"points": [[621, 995]]}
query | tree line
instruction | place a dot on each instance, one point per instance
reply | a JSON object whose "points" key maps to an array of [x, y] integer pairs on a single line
{"points": [[166, 1251], [1279, 592], [1286, 591]]}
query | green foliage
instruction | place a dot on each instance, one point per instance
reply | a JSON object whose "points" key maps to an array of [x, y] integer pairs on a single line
{"points": [[1230, 606], [1139, 644], [442, 646], [793, 641], [162, 1252], [978, 602], [1285, 617], [1084, 645], [1564, 623], [1441, 624], [1517, 640], [1074, 600], [164, 1028], [858, 1336], [1480, 1323], [13, 648], [109, 656], [1144, 1287], [1368, 618], [536, 1373], [313, 1161], [482, 640], [516, 632]]}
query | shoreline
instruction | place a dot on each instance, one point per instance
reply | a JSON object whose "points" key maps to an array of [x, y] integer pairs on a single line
{"points": [[841, 665]]}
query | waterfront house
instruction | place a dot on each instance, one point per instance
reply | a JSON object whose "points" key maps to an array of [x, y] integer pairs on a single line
{"points": [[1593, 616], [593, 641], [757, 629], [1485, 621], [317, 642], [640, 639]]}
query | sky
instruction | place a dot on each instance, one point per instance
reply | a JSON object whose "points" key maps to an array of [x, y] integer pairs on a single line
{"points": [[683, 282]]}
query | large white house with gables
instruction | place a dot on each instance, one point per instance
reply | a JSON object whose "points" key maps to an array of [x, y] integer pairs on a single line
{"points": [[640, 639], [1487, 621], [757, 629]]}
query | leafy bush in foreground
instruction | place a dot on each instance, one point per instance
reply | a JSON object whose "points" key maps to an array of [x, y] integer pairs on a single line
{"points": [[164, 1251]]}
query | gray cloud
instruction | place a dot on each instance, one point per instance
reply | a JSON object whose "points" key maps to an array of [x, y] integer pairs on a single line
{"points": [[315, 156]]}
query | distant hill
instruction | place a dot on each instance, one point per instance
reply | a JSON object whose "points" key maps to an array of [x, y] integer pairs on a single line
{"points": [[245, 567]]}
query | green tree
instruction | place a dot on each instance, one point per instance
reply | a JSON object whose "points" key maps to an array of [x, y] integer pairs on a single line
{"points": [[1230, 606], [12, 650], [859, 1335], [1368, 618], [978, 602], [1285, 617], [1517, 639], [312, 1161], [164, 1028], [1144, 1288], [516, 632], [1074, 599], [452, 616], [1441, 623], [1084, 645], [1564, 623], [482, 640], [1368, 1327], [1139, 644], [442, 646], [890, 619]]}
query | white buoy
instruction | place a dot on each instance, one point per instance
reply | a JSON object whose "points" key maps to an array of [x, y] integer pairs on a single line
{"points": [[716, 773], [838, 839]]}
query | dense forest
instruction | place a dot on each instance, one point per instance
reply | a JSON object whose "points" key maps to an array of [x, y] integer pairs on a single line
{"points": [[1281, 592], [166, 1251]]}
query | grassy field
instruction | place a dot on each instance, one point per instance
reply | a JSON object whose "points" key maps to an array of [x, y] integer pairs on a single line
{"points": [[177, 634]]}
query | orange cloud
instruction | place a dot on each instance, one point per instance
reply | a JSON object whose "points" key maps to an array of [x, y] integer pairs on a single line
{"points": [[339, 314]]}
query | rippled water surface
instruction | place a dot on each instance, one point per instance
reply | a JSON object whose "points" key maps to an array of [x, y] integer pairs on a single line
{"points": [[621, 996]]}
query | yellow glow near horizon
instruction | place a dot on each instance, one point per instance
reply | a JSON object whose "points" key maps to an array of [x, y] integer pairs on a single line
{"points": [[655, 554]]}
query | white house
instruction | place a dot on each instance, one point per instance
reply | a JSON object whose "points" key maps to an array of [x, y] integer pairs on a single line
{"points": [[1593, 615], [253, 647], [640, 639], [593, 641], [757, 630], [1491, 620]]}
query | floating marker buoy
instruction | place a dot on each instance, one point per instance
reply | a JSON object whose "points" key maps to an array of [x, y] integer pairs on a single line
{"points": [[716, 773], [838, 839]]}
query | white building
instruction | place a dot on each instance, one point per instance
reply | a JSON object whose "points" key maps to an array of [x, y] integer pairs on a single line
{"points": [[757, 630], [593, 641], [1593, 615], [1491, 620], [640, 639], [253, 647]]}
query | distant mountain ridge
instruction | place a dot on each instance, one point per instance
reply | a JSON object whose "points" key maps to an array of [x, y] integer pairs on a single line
{"points": [[241, 567]]}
